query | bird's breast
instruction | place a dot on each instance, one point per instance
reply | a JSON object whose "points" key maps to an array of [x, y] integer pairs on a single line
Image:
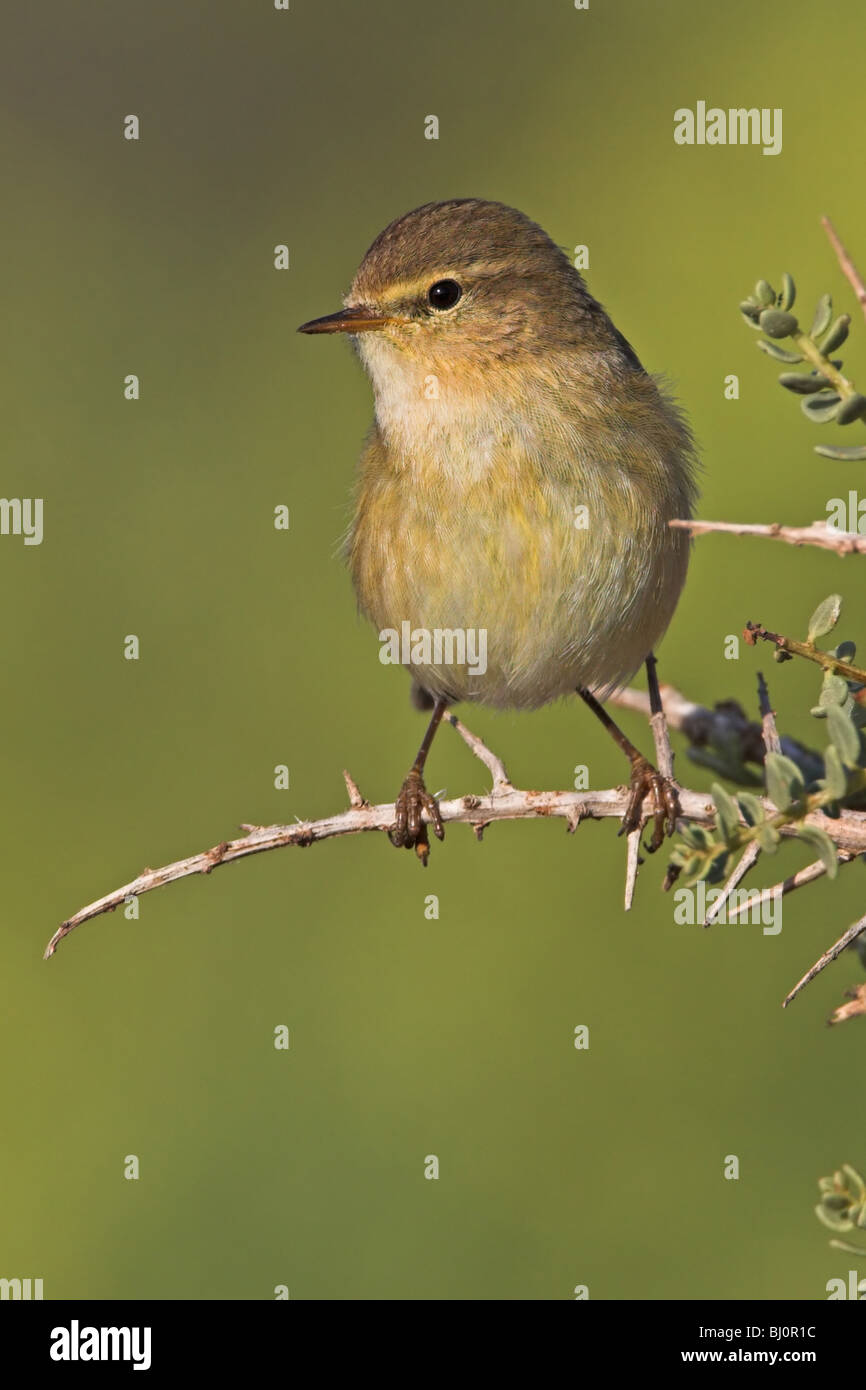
{"points": [[560, 566]]}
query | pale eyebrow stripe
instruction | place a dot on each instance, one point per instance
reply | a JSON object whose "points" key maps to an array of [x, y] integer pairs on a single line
{"points": [[407, 288]]}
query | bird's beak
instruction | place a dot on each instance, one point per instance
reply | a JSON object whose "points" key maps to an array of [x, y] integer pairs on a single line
{"points": [[358, 320]]}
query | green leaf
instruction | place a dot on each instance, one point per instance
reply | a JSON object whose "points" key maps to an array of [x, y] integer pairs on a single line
{"points": [[846, 651], [836, 1201], [764, 292], [784, 780], [834, 691], [803, 384], [836, 1223], [777, 324], [854, 408], [753, 811], [697, 837], [750, 314], [822, 407], [780, 354], [846, 453], [835, 776], [836, 337], [727, 815], [788, 293], [825, 617], [843, 736], [819, 839], [768, 837], [823, 315]]}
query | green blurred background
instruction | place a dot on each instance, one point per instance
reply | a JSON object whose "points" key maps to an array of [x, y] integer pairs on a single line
{"points": [[409, 1036]]}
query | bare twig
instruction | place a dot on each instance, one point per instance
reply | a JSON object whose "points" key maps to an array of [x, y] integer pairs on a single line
{"points": [[835, 950], [495, 766], [819, 533], [789, 885], [748, 861], [659, 723], [848, 267], [632, 864], [772, 742], [755, 632], [355, 797], [855, 1009]]}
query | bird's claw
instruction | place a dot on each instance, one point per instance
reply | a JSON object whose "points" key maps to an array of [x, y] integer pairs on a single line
{"points": [[409, 830], [646, 780]]}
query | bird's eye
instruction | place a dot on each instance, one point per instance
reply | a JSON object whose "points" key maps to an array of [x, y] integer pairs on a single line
{"points": [[444, 294]]}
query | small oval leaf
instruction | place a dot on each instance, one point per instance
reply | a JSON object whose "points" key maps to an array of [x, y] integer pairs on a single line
{"points": [[843, 736], [854, 408], [823, 315], [788, 292], [825, 617], [803, 384], [819, 839], [821, 408], [845, 453], [777, 324], [780, 354], [837, 335]]}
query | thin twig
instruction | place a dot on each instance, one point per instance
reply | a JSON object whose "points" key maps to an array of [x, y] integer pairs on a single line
{"points": [[494, 765], [748, 861], [856, 1008], [789, 885], [819, 533], [659, 723], [355, 797], [835, 950], [632, 864], [772, 742], [848, 267]]}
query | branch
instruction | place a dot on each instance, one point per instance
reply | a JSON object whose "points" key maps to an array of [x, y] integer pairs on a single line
{"points": [[846, 939], [819, 533], [504, 803], [848, 267], [755, 632]]}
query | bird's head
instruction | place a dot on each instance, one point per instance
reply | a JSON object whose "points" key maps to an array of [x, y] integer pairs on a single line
{"points": [[466, 286]]}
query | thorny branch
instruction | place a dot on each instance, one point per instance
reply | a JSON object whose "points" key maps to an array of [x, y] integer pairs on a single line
{"points": [[818, 533], [504, 802]]}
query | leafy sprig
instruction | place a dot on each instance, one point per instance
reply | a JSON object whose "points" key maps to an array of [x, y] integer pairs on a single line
{"points": [[826, 394], [708, 852], [843, 1205]]}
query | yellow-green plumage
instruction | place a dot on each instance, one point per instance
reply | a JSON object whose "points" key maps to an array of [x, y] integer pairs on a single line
{"points": [[495, 423]]}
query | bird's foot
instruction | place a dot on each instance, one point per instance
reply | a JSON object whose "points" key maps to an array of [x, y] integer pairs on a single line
{"points": [[409, 830], [646, 780]]}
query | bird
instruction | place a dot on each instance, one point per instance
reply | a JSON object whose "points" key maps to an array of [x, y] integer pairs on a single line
{"points": [[517, 482]]}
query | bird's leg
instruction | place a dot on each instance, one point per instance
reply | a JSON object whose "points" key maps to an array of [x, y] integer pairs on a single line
{"points": [[409, 830], [645, 778]]}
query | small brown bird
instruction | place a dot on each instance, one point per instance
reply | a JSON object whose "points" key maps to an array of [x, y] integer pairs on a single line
{"points": [[510, 539]]}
